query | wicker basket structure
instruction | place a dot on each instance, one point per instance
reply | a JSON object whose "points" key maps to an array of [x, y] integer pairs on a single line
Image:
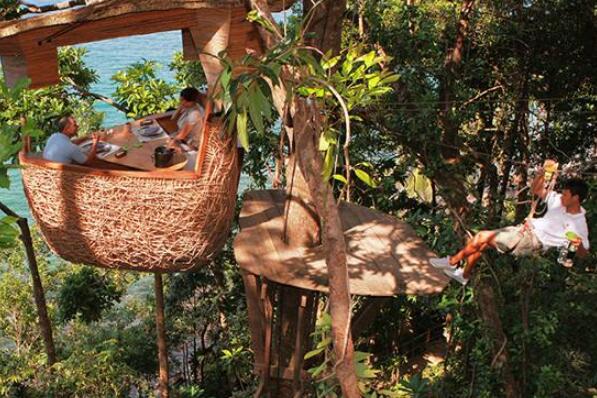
{"points": [[143, 221]]}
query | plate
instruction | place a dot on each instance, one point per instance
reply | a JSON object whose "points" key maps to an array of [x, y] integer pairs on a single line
{"points": [[100, 148], [150, 131]]}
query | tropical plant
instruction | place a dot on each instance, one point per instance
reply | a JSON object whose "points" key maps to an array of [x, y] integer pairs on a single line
{"points": [[141, 92], [86, 294]]}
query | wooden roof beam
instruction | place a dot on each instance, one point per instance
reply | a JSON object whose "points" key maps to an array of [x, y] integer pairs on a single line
{"points": [[40, 66]]}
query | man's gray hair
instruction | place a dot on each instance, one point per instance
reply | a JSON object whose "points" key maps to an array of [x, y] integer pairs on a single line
{"points": [[63, 122]]}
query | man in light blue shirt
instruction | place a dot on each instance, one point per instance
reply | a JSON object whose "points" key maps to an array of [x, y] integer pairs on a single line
{"points": [[61, 149]]}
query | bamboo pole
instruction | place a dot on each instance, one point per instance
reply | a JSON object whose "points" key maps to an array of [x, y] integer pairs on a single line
{"points": [[161, 335]]}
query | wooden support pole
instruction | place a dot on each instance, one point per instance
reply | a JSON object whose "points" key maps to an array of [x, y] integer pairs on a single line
{"points": [[256, 315], [297, 384], [161, 334]]}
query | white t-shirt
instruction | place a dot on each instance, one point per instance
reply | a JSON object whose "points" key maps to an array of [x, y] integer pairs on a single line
{"points": [[551, 229], [194, 117], [59, 148]]}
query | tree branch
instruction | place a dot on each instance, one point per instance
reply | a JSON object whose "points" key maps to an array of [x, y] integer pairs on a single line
{"points": [[99, 97], [481, 95]]}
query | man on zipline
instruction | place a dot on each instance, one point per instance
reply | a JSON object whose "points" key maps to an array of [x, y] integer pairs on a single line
{"points": [[564, 214]]}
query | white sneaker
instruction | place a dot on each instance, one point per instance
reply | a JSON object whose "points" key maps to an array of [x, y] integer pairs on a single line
{"points": [[441, 263], [457, 274]]}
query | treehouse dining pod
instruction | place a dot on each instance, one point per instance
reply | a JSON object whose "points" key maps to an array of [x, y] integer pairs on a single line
{"points": [[171, 221]]}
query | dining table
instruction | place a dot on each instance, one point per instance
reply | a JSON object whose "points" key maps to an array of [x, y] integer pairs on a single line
{"points": [[129, 149]]}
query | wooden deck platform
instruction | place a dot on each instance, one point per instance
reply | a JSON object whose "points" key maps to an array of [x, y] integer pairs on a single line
{"points": [[385, 256]]}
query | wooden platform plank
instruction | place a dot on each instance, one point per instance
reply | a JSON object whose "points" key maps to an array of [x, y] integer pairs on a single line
{"points": [[402, 243], [385, 257]]}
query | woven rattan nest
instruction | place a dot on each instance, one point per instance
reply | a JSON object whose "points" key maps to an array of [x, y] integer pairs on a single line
{"points": [[143, 221]]}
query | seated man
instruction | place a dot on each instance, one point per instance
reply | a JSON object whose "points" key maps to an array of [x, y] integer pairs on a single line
{"points": [[61, 149], [564, 214]]}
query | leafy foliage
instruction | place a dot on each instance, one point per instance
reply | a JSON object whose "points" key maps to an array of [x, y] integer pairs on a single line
{"points": [[86, 294], [325, 385], [141, 91], [10, 9], [187, 73]]}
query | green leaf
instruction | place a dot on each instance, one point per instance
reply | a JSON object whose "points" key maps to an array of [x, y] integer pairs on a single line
{"points": [[256, 117], [231, 120], [373, 82], [313, 63], [368, 165], [329, 137], [390, 79], [262, 94], [341, 178], [4, 180], [419, 186], [8, 232], [314, 353], [330, 63], [328, 163], [225, 78], [366, 178], [241, 129], [256, 106]]}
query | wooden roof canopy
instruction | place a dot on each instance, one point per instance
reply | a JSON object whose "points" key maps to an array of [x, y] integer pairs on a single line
{"points": [[28, 47]]}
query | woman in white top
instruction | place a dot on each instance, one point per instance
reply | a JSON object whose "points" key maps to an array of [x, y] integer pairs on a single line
{"points": [[189, 119]]}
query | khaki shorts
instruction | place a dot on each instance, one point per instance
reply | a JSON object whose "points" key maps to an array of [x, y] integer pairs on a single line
{"points": [[517, 240]]}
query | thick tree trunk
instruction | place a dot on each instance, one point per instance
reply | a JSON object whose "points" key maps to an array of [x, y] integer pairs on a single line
{"points": [[335, 246], [452, 64], [45, 325], [325, 25], [304, 139], [302, 224]]}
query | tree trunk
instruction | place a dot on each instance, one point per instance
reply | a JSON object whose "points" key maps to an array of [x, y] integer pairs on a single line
{"points": [[325, 26], [333, 241], [452, 63], [161, 336], [493, 323], [45, 325], [306, 120], [301, 218], [512, 135]]}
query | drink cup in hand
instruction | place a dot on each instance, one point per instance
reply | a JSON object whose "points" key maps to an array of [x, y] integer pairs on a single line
{"points": [[549, 168], [574, 239]]}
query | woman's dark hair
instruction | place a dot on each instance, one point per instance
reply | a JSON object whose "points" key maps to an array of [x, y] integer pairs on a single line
{"points": [[576, 186], [190, 94]]}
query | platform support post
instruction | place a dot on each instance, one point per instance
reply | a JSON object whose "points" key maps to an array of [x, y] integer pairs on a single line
{"points": [[161, 335]]}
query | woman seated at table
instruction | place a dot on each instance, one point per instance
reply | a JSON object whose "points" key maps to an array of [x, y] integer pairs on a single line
{"points": [[189, 120]]}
